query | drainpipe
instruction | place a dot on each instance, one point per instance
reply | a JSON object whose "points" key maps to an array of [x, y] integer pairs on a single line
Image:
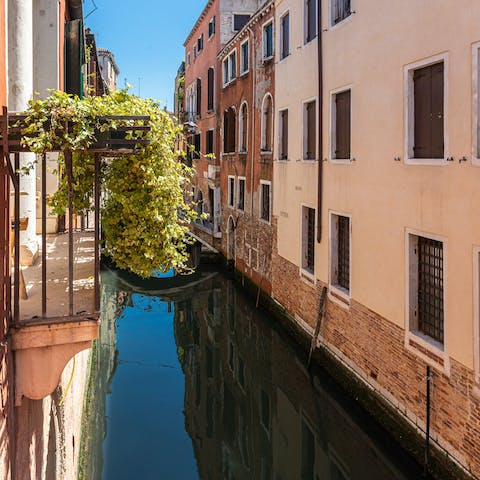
{"points": [[20, 90], [252, 115], [320, 123]]}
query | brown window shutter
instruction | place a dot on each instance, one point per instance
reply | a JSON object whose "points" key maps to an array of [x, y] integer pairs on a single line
{"points": [[225, 132], [311, 131], [437, 112], [343, 119], [211, 76], [199, 97], [284, 140]]}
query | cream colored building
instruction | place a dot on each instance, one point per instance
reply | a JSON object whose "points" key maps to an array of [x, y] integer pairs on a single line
{"points": [[400, 245]]}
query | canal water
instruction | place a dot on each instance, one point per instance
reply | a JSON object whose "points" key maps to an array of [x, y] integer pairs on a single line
{"points": [[194, 382]]}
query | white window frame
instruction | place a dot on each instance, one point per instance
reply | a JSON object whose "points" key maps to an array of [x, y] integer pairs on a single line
{"points": [[476, 104], [263, 127], [336, 292], [230, 193], [409, 120], [269, 183], [305, 23], [242, 125], [411, 334], [244, 179], [333, 124], [280, 36], [304, 132], [303, 272], [476, 312], [264, 42], [280, 134], [225, 71], [228, 58], [342, 22], [244, 72]]}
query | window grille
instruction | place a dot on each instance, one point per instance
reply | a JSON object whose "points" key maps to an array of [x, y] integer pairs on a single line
{"points": [[343, 275], [430, 288]]}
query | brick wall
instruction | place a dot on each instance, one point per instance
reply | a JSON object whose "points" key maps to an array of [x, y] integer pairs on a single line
{"points": [[374, 348]]}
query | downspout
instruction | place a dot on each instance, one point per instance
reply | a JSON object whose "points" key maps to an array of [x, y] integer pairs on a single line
{"points": [[320, 123], [252, 146]]}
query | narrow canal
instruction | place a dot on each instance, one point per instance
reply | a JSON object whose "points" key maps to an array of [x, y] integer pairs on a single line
{"points": [[195, 382]]}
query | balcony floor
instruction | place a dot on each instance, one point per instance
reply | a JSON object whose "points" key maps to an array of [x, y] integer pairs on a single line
{"points": [[57, 279]]}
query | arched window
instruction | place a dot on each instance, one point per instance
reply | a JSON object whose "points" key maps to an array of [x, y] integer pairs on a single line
{"points": [[243, 128], [267, 123], [229, 129]]}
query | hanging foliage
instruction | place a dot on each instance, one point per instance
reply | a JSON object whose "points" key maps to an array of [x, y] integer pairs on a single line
{"points": [[145, 215]]}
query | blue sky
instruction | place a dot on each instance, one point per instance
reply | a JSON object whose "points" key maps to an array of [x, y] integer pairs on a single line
{"points": [[146, 37]]}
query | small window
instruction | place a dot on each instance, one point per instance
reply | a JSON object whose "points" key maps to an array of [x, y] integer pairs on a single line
{"points": [[340, 253], [310, 25], [211, 27], [241, 194], [266, 126], [233, 65], [244, 64], [230, 68], [265, 201], [340, 10], [210, 88], [239, 21], [200, 43], [196, 146], [341, 131], [268, 41], [283, 135], [243, 128], [284, 36], [194, 52], [231, 191], [426, 286], [209, 142], [309, 131], [188, 59], [308, 453], [308, 239]]}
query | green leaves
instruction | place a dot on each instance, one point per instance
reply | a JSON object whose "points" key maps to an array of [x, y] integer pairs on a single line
{"points": [[144, 214]]}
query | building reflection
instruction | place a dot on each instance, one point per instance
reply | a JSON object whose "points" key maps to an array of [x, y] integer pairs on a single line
{"points": [[253, 411]]}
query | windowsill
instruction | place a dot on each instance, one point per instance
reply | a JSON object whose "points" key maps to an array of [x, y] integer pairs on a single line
{"points": [[267, 222], [282, 59], [428, 349], [267, 59], [265, 152], [433, 162], [309, 160], [342, 22], [340, 161], [476, 161], [245, 73], [307, 43], [241, 210], [283, 159], [339, 295], [307, 276], [242, 152], [225, 85]]}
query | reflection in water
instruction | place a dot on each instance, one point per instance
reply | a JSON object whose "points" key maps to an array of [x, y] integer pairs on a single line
{"points": [[208, 371]]}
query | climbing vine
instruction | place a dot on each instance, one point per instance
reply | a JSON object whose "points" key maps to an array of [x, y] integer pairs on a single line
{"points": [[145, 215]]}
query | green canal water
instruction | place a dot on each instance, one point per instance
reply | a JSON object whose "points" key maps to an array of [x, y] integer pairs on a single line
{"points": [[195, 382]]}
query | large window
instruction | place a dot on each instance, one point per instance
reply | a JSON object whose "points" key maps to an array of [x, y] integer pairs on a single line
{"points": [[425, 110], [284, 36], [340, 253], [230, 68], [340, 10], [243, 128], [283, 135], [426, 286], [341, 125], [239, 21], [267, 123], [265, 200], [310, 130], [229, 128], [308, 239], [210, 88], [268, 41], [310, 24]]}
